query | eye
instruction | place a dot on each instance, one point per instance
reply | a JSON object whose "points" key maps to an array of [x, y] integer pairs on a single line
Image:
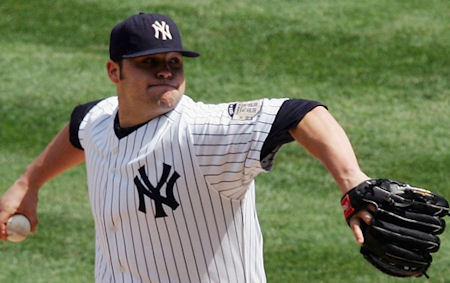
{"points": [[175, 61], [149, 61]]}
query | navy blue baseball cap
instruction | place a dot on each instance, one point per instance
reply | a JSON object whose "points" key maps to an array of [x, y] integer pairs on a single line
{"points": [[145, 34]]}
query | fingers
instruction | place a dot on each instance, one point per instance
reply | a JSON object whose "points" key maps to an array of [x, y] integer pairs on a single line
{"points": [[355, 224], [366, 216], [4, 216], [18, 199], [357, 232], [3, 219], [34, 222], [6, 211]]}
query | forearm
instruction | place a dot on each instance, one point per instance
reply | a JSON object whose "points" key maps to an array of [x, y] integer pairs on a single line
{"points": [[320, 134], [22, 196], [59, 156]]}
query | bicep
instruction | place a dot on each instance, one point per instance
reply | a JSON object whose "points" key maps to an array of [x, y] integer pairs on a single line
{"points": [[324, 138], [318, 130]]}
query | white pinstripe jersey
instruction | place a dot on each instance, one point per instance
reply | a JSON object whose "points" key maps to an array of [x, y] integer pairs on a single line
{"points": [[192, 171]]}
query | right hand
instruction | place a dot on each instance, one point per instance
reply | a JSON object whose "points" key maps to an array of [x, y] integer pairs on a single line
{"points": [[22, 197], [18, 199]]}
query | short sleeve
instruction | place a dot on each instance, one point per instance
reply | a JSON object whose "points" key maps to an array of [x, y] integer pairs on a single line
{"points": [[228, 139], [78, 114], [290, 114]]}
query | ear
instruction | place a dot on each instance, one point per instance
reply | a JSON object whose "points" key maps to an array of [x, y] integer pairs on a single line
{"points": [[113, 70]]}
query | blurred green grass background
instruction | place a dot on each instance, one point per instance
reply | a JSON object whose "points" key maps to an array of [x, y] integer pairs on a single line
{"points": [[382, 68]]}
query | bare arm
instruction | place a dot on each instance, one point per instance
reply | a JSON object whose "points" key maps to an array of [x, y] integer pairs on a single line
{"points": [[320, 134], [22, 197]]}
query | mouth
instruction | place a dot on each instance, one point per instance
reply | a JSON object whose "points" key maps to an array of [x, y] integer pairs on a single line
{"points": [[162, 86]]}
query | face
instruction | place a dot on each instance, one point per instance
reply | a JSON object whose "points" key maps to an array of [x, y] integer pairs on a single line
{"points": [[149, 85]]}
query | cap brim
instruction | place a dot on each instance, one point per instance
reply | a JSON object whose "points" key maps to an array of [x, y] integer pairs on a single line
{"points": [[183, 52]]}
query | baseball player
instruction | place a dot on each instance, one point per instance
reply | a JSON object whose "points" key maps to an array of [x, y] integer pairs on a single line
{"points": [[171, 180]]}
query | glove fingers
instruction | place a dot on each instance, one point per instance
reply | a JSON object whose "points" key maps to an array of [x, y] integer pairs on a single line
{"points": [[399, 256], [414, 199], [421, 205], [389, 267], [408, 238], [395, 260], [412, 220], [428, 201]]}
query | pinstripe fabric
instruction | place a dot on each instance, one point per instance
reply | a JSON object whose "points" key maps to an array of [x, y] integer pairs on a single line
{"points": [[213, 235]]}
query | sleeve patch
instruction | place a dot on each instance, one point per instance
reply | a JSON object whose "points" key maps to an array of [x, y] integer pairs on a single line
{"points": [[244, 111]]}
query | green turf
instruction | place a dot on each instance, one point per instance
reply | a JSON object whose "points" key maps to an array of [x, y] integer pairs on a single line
{"points": [[382, 67]]}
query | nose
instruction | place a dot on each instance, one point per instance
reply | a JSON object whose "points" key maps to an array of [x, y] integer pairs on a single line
{"points": [[164, 74]]}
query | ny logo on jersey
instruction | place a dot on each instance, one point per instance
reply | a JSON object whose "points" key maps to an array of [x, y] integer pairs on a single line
{"points": [[163, 28], [147, 189]]}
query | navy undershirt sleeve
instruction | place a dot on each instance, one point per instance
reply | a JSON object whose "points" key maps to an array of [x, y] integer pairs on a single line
{"points": [[290, 114], [76, 118]]}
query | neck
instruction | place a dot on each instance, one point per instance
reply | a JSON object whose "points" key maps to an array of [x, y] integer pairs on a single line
{"points": [[129, 118], [132, 115]]}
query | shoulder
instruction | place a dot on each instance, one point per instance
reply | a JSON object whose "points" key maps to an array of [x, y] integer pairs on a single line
{"points": [[98, 106], [87, 114], [105, 106], [95, 110], [231, 111]]}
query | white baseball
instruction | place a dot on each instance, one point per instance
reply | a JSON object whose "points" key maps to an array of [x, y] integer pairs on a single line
{"points": [[17, 228]]}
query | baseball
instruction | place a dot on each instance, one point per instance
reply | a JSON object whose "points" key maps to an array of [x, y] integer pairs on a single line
{"points": [[17, 228]]}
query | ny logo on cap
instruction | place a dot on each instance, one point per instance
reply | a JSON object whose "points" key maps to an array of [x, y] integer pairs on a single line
{"points": [[163, 28]]}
